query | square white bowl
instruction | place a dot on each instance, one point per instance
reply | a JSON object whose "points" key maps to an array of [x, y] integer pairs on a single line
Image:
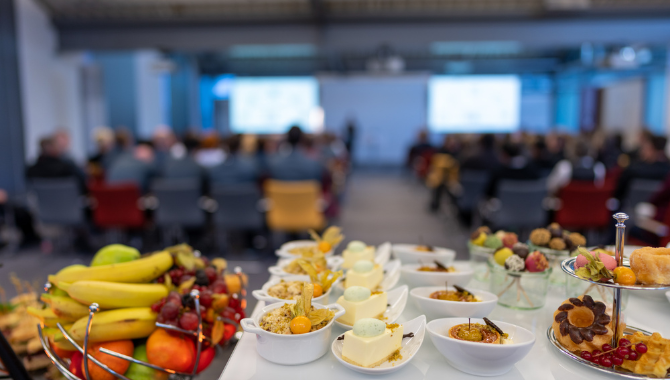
{"points": [[414, 277], [409, 348], [333, 262], [434, 308], [262, 293], [480, 359], [283, 251]]}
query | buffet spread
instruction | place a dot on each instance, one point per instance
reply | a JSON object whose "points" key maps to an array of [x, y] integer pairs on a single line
{"points": [[513, 310]]}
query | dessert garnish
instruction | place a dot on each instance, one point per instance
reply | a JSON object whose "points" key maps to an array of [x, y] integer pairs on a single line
{"points": [[625, 354], [624, 276], [408, 335], [299, 266], [424, 248], [458, 295], [594, 267], [439, 267], [331, 237], [652, 354], [298, 318]]}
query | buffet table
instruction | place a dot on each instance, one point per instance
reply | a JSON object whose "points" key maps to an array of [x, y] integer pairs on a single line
{"points": [[649, 312]]}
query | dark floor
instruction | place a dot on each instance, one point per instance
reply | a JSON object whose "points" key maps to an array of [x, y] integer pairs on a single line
{"points": [[379, 206]]}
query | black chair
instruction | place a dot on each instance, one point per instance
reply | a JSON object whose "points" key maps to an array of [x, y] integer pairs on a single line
{"points": [[473, 185], [179, 204], [641, 190], [518, 204], [239, 207]]}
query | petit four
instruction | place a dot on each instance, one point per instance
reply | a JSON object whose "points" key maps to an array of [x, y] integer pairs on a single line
{"points": [[357, 250], [651, 265], [359, 302], [582, 324], [364, 273], [556, 238], [371, 343]]}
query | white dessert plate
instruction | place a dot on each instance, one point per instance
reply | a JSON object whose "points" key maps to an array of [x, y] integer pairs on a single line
{"points": [[480, 359], [409, 348], [391, 276], [667, 294], [383, 253], [283, 251], [333, 262], [434, 308], [262, 293], [408, 254], [414, 277], [397, 299]]}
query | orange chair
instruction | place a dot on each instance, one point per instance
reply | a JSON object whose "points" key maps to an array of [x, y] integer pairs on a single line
{"points": [[294, 206]]}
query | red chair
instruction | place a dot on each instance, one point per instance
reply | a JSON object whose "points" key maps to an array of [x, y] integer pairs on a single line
{"points": [[117, 206], [584, 206], [422, 163]]}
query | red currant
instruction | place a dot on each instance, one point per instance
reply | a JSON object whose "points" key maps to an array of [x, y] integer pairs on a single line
{"points": [[632, 355], [617, 360], [586, 355], [622, 352], [595, 352], [624, 342], [641, 348], [606, 347], [606, 362], [189, 321]]}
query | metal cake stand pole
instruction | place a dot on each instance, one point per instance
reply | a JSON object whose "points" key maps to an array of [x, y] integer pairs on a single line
{"points": [[618, 255]]}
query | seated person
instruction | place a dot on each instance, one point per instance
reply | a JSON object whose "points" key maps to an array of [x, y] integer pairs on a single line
{"points": [[420, 147], [514, 165], [486, 158], [52, 164], [292, 164], [136, 167], [580, 167], [653, 164], [236, 169]]}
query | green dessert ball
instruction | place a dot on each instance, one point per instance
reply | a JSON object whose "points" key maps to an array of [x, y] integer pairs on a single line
{"points": [[493, 242], [369, 327], [357, 293], [356, 246], [363, 266]]}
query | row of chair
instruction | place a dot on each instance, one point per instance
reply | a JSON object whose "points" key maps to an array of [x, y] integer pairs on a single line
{"points": [[179, 204]]}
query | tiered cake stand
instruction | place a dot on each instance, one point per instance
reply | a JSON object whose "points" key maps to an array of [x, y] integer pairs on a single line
{"points": [[568, 267]]}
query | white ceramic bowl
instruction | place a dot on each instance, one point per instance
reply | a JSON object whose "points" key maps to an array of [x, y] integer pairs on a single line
{"points": [[440, 309], [409, 347], [480, 359], [667, 294], [383, 253], [291, 349], [262, 293], [408, 254], [397, 299], [415, 278], [391, 276], [333, 262], [283, 251]]}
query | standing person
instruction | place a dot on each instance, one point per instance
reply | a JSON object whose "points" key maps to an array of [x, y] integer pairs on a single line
{"points": [[350, 137]]}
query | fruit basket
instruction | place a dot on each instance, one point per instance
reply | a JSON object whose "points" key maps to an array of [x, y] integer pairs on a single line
{"points": [[616, 358], [181, 303]]}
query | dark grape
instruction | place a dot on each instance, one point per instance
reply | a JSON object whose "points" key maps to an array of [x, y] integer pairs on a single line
{"points": [[219, 287], [201, 278], [174, 297], [156, 307], [170, 311], [211, 274], [160, 318], [641, 348], [187, 301], [189, 321], [234, 303], [632, 355], [206, 298], [185, 278]]}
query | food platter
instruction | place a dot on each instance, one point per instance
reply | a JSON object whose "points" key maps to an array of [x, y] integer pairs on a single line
{"points": [[597, 367], [568, 266]]}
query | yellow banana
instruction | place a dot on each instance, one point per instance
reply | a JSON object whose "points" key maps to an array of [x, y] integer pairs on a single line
{"points": [[118, 324], [136, 271], [48, 317], [113, 295], [64, 306], [71, 269]]}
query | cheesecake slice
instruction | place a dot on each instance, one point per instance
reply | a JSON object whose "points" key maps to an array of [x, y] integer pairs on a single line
{"points": [[370, 350], [372, 307], [356, 251], [369, 277]]}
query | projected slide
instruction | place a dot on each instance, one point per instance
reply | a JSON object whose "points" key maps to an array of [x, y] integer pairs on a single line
{"points": [[272, 105], [471, 104]]}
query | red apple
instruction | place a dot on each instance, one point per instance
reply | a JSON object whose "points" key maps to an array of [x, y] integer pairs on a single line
{"points": [[206, 357], [76, 366]]}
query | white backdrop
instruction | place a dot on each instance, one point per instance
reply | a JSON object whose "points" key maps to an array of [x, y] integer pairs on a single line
{"points": [[388, 111]]}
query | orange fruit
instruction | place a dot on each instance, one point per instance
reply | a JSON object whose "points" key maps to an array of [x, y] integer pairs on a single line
{"points": [[300, 325], [169, 351], [318, 290], [124, 347], [324, 246], [624, 276]]}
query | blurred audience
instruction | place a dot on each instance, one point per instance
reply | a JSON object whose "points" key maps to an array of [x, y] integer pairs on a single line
{"points": [[291, 163], [137, 166], [581, 166], [652, 164], [485, 157], [181, 163], [514, 165], [210, 153], [421, 146], [51, 164], [237, 168]]}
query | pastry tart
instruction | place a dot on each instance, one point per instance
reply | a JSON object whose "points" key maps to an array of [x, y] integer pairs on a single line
{"points": [[651, 265], [581, 324]]}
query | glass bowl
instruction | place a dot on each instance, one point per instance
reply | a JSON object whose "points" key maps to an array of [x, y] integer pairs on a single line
{"points": [[479, 257], [519, 290]]}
